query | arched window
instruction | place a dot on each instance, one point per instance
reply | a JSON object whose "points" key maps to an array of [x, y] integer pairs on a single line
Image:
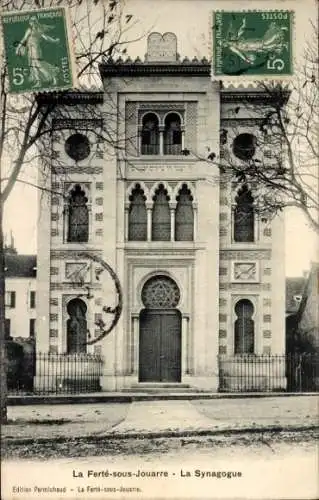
{"points": [[244, 327], [184, 215], [244, 216], [76, 327], [161, 218], [150, 135], [172, 135], [78, 222], [137, 219]]}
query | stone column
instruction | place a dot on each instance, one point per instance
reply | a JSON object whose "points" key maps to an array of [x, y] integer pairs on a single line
{"points": [[149, 207], [172, 207]]}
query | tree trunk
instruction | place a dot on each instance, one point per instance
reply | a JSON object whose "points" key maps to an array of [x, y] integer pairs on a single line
{"points": [[3, 366]]}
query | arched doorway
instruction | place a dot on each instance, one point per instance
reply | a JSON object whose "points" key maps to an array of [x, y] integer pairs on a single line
{"points": [[160, 332]]}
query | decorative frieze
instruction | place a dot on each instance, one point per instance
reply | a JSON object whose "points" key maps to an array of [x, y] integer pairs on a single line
{"points": [[222, 349], [54, 232], [54, 301], [267, 318], [222, 318], [222, 302], [53, 333], [245, 287], [99, 186], [223, 216], [73, 286], [99, 201], [267, 231], [245, 254], [73, 254], [99, 216], [222, 334], [55, 217], [267, 334], [75, 169], [53, 317], [54, 271]]}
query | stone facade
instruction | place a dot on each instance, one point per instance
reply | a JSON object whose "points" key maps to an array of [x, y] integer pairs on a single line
{"points": [[203, 268]]}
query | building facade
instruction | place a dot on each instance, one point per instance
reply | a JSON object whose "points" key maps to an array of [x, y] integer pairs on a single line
{"points": [[20, 299], [201, 275]]}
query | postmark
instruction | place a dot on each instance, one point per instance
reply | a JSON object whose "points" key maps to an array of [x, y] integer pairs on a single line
{"points": [[252, 44], [38, 50]]}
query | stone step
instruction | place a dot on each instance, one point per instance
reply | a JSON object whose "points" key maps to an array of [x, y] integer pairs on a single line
{"points": [[158, 387]]}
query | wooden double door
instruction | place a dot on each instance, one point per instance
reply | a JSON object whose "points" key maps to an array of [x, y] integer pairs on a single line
{"points": [[160, 345]]}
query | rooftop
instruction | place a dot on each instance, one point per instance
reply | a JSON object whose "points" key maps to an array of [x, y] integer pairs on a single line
{"points": [[20, 266]]}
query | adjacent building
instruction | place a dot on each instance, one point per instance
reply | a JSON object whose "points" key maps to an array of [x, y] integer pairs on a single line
{"points": [[20, 299]]}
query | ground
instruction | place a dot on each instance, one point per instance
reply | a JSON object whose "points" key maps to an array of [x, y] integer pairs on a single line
{"points": [[247, 447]]}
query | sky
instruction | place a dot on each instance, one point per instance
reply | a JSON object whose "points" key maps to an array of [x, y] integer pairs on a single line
{"points": [[190, 20]]}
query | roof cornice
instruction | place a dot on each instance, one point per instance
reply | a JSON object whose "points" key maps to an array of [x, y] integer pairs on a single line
{"points": [[70, 97], [139, 68], [255, 96]]}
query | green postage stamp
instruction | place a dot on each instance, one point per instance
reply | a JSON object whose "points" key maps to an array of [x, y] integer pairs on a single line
{"points": [[252, 44], [38, 50]]}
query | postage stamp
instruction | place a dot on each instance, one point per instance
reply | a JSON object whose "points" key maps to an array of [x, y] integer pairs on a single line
{"points": [[252, 44], [38, 50]]}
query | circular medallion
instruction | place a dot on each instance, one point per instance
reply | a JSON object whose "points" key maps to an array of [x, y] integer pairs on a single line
{"points": [[77, 147]]}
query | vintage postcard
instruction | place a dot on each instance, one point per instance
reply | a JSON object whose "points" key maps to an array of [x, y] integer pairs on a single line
{"points": [[159, 270]]}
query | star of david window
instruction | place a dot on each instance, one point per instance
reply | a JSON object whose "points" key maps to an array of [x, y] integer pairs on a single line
{"points": [[160, 292]]}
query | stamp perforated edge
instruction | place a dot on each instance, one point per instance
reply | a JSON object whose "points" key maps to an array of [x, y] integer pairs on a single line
{"points": [[69, 38], [250, 79]]}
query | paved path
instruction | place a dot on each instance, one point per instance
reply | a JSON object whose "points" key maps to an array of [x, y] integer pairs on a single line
{"points": [[80, 420], [159, 416]]}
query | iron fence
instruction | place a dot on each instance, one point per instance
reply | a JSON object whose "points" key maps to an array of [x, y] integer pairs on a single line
{"points": [[274, 373], [58, 374]]}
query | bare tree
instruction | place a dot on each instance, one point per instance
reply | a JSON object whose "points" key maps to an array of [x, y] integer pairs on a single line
{"points": [[278, 154], [101, 33]]}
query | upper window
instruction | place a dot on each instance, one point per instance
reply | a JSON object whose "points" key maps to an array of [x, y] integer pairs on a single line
{"points": [[78, 223], [184, 215], [137, 223], [10, 299], [77, 146], [32, 299], [244, 216], [150, 135], [172, 134], [244, 146]]}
